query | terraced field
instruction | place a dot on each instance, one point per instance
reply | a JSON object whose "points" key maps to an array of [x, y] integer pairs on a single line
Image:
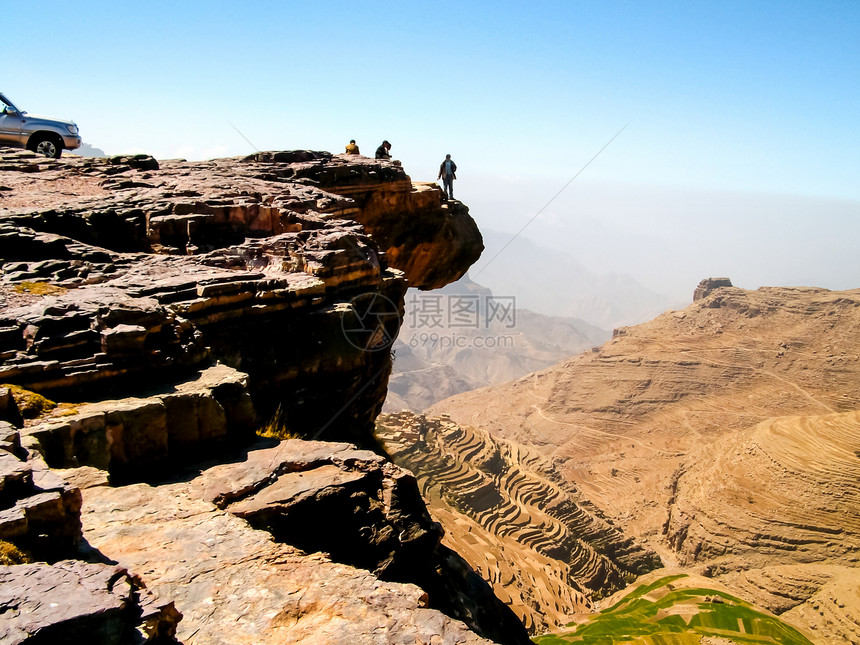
{"points": [[786, 490], [510, 514], [678, 610], [823, 598], [726, 437]]}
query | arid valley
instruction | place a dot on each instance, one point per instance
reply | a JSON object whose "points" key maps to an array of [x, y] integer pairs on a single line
{"points": [[196, 356]]}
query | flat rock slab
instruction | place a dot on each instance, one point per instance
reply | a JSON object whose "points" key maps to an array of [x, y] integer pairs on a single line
{"points": [[293, 488], [72, 602], [225, 483], [234, 584]]}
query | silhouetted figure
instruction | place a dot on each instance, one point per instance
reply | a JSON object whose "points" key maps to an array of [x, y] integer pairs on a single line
{"points": [[382, 151], [448, 173], [351, 148]]}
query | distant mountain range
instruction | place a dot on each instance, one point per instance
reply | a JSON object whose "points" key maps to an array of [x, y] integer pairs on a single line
{"points": [[540, 306], [463, 337], [554, 283]]}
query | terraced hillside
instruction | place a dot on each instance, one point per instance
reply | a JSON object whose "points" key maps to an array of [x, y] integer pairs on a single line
{"points": [[725, 436], [512, 516], [678, 609], [787, 489]]}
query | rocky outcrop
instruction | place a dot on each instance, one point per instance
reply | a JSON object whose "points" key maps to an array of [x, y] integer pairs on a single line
{"points": [[276, 265], [359, 509], [172, 308], [9, 411], [707, 285], [174, 207], [72, 602], [39, 511], [133, 437]]}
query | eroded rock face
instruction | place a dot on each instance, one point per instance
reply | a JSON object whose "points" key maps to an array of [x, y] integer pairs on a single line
{"points": [[706, 286], [171, 305], [39, 510], [175, 207], [134, 436], [361, 510], [351, 504], [275, 264]]}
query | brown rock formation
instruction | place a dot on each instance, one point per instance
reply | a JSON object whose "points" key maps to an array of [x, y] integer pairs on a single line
{"points": [[169, 267], [707, 285], [130, 437], [39, 511], [169, 307], [360, 509], [73, 602]]}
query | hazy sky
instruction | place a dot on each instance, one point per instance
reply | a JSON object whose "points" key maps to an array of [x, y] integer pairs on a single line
{"points": [[722, 98]]}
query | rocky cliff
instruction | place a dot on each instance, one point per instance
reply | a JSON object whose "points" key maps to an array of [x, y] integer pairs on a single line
{"points": [[259, 263], [169, 310]]}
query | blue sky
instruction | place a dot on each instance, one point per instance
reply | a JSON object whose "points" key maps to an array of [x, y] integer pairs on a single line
{"points": [[740, 97]]}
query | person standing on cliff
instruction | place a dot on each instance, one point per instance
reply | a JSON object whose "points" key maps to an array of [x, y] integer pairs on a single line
{"points": [[448, 173], [351, 148], [382, 151]]}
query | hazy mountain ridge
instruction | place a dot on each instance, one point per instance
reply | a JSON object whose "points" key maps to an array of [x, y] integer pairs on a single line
{"points": [[463, 337], [554, 283]]}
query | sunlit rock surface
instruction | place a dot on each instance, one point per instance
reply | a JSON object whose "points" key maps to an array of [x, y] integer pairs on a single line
{"points": [[172, 309], [275, 264]]}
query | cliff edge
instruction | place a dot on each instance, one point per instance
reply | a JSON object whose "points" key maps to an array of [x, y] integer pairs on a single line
{"points": [[155, 316]]}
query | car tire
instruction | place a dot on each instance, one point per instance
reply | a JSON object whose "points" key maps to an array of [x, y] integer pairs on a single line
{"points": [[46, 144]]}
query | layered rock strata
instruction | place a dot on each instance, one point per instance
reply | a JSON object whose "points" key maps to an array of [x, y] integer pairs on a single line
{"points": [[706, 286], [725, 435], [39, 511], [172, 308], [69, 601], [762, 495], [134, 436], [619, 421], [275, 264]]}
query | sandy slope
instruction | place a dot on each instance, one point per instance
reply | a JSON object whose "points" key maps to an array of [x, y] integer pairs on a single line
{"points": [[726, 435]]}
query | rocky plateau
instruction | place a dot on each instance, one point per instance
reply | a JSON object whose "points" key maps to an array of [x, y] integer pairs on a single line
{"points": [[155, 317]]}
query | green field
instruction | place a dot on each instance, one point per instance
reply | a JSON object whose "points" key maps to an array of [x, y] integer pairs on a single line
{"points": [[672, 614]]}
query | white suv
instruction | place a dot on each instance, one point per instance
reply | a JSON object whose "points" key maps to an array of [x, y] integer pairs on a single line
{"points": [[40, 134]]}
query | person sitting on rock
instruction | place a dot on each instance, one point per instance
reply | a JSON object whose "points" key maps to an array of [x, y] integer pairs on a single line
{"points": [[382, 151], [448, 173], [351, 148]]}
